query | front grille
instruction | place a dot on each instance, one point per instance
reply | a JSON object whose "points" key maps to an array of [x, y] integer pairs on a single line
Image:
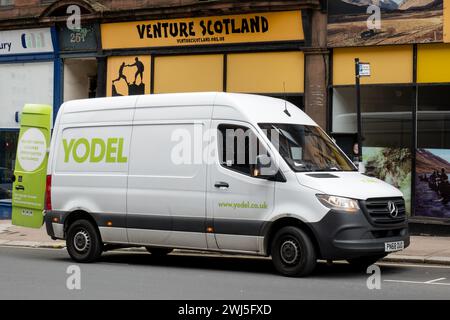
{"points": [[390, 233], [378, 210]]}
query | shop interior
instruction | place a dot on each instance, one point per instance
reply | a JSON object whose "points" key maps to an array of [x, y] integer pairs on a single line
{"points": [[80, 78]]}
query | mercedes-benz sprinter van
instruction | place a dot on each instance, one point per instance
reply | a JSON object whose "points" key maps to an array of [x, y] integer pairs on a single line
{"points": [[223, 172]]}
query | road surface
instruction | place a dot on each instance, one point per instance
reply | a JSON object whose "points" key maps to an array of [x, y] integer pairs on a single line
{"points": [[42, 274]]}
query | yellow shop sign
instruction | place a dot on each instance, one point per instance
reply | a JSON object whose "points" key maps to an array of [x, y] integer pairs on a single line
{"points": [[245, 28]]}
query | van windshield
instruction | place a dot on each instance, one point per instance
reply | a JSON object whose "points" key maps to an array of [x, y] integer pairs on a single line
{"points": [[306, 148]]}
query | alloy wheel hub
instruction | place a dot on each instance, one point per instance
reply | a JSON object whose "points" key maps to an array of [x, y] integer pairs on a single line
{"points": [[82, 241], [289, 252]]}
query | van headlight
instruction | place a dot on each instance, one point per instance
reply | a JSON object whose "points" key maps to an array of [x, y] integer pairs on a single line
{"points": [[338, 203]]}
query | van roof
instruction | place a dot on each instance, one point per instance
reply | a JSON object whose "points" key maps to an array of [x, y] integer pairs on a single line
{"points": [[230, 106]]}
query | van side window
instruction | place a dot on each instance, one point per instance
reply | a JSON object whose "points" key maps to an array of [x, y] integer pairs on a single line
{"points": [[238, 147]]}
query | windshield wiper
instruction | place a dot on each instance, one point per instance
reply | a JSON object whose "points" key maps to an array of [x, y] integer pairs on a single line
{"points": [[281, 133]]}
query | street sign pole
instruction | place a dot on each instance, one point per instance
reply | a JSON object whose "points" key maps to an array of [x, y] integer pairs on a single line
{"points": [[358, 108], [362, 69]]}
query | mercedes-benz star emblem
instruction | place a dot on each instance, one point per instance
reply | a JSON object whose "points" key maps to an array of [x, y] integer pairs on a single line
{"points": [[393, 210]]}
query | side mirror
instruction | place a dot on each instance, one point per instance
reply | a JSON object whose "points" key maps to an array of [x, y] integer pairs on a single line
{"points": [[264, 168]]}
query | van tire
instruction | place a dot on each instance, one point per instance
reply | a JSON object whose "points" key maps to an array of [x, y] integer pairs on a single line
{"points": [[83, 242], [293, 252], [159, 252]]}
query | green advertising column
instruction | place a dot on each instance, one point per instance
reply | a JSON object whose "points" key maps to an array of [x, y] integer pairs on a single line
{"points": [[31, 166]]}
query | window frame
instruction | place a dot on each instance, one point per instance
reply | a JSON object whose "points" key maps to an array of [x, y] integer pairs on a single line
{"points": [[7, 5], [261, 142]]}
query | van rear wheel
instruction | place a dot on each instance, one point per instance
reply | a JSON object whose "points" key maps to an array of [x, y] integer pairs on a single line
{"points": [[83, 242], [293, 252], [159, 252]]}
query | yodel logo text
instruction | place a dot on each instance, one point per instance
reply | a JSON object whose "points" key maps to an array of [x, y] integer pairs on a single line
{"points": [[95, 150]]}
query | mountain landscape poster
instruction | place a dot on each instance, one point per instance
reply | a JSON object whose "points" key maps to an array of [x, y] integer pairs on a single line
{"points": [[432, 184], [392, 165], [402, 22]]}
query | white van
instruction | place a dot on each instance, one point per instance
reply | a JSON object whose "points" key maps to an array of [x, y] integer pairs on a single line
{"points": [[181, 171]]}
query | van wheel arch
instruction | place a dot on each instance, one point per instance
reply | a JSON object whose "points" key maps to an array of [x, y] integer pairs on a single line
{"points": [[289, 221], [79, 215]]}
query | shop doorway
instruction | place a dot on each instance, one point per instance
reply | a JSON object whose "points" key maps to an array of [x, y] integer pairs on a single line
{"points": [[80, 78]]}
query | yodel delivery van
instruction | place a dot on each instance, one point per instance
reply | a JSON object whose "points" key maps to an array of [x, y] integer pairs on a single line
{"points": [[222, 172]]}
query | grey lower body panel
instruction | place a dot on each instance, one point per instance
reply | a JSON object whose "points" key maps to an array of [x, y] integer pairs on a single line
{"points": [[338, 235], [169, 231]]}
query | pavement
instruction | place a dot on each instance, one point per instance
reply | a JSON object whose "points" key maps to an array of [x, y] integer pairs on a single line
{"points": [[26, 237], [422, 250]]}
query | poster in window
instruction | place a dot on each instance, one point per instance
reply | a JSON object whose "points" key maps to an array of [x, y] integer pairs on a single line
{"points": [[384, 22], [392, 165], [432, 183]]}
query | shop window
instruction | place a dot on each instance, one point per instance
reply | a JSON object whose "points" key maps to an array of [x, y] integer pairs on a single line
{"points": [[8, 146], [433, 152], [6, 3], [386, 114], [22, 83], [387, 130]]}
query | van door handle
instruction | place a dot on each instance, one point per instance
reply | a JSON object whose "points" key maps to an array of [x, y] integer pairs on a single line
{"points": [[222, 185], [20, 188]]}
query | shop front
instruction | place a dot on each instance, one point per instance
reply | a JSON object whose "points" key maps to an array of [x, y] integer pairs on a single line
{"points": [[250, 53], [81, 60], [28, 74], [387, 105], [404, 102], [433, 132]]}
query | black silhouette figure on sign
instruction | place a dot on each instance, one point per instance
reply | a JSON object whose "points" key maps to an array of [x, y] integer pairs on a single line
{"points": [[133, 88], [121, 75], [140, 69]]}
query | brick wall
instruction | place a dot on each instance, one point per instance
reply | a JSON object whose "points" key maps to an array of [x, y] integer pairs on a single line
{"points": [[28, 11], [33, 8]]}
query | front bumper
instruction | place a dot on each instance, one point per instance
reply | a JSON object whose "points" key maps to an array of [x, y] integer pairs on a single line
{"points": [[341, 235]]}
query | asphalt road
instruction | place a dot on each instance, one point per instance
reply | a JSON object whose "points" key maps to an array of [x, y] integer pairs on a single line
{"points": [[42, 274]]}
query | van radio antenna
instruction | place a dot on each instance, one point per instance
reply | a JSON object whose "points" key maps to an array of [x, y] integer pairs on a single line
{"points": [[285, 102]]}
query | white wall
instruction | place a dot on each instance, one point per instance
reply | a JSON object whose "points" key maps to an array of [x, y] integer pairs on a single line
{"points": [[344, 110]]}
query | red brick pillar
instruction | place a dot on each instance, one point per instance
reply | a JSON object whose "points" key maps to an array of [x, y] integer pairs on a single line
{"points": [[317, 70]]}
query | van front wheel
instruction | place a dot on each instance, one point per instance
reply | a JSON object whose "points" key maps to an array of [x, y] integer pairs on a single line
{"points": [[83, 242], [293, 252]]}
